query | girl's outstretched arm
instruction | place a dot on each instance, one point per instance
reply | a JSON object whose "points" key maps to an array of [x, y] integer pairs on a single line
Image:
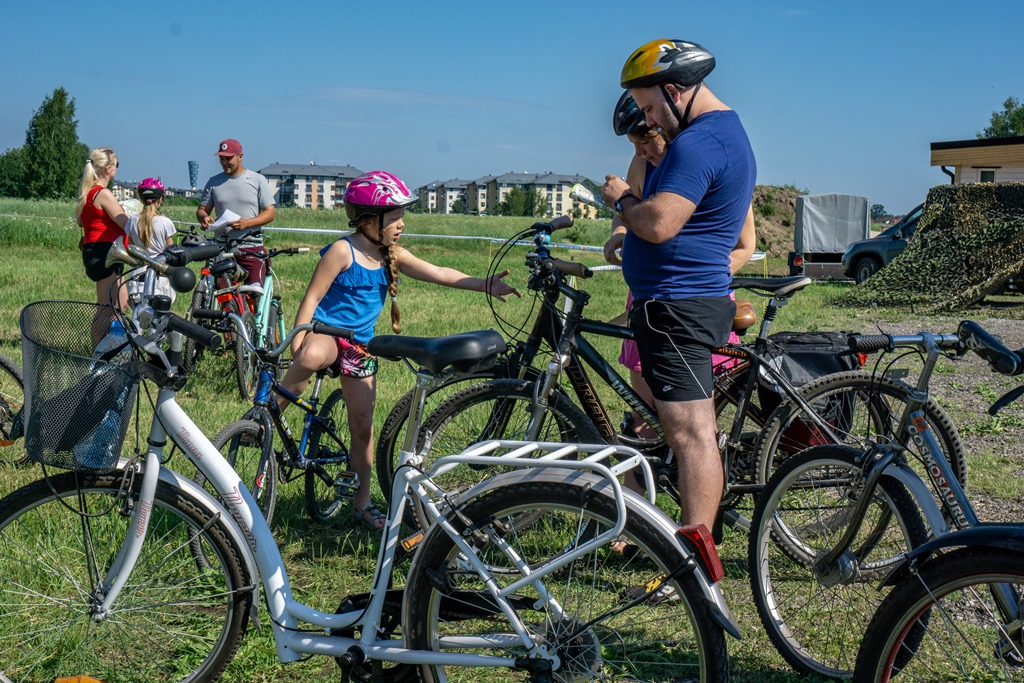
{"points": [[419, 269]]}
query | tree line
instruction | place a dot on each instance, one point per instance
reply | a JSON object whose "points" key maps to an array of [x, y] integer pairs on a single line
{"points": [[49, 164]]}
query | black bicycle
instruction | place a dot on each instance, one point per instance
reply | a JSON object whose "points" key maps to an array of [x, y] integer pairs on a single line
{"points": [[320, 455], [526, 402]]}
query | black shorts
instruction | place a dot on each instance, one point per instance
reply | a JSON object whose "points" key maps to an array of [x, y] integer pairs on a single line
{"points": [[94, 256], [675, 339]]}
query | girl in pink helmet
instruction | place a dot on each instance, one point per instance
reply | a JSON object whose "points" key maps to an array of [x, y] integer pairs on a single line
{"points": [[151, 231], [354, 277]]}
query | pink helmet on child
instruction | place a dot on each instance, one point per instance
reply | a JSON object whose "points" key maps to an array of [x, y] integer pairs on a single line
{"points": [[150, 190], [375, 193]]}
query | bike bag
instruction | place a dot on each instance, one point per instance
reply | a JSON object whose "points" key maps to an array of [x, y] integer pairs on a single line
{"points": [[802, 357]]}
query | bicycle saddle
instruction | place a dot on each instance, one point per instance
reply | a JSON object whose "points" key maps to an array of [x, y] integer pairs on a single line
{"points": [[779, 286], [465, 352]]}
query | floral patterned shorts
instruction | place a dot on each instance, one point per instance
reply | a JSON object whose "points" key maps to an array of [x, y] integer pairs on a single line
{"points": [[354, 360]]}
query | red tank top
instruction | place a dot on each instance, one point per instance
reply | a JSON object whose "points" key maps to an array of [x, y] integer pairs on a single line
{"points": [[99, 227]]}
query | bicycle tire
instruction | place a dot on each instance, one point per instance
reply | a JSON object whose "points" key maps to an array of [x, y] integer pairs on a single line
{"points": [[863, 409], [244, 444], [392, 433], [191, 351], [12, 399], [815, 618], [674, 638], [941, 622], [246, 368], [324, 497], [468, 417], [175, 620]]}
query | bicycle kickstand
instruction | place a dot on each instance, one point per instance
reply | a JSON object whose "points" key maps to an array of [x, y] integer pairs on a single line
{"points": [[540, 669]]}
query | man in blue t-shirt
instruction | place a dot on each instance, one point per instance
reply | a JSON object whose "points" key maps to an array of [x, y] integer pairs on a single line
{"points": [[676, 253]]}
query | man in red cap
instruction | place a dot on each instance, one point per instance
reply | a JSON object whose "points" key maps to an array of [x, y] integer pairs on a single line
{"points": [[246, 194]]}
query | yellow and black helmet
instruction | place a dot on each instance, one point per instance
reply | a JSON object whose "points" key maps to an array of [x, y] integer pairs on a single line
{"points": [[667, 60]]}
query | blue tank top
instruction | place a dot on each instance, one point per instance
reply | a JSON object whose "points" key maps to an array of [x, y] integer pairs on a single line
{"points": [[355, 298]]}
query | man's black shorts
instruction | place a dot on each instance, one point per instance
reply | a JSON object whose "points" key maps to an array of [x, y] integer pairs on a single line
{"points": [[94, 256], [675, 339]]}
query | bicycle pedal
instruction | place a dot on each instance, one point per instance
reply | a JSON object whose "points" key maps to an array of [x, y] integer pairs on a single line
{"points": [[346, 482]]}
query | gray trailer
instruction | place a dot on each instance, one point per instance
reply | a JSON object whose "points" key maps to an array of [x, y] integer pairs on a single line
{"points": [[825, 225]]}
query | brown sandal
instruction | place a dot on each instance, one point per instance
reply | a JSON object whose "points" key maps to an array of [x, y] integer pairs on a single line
{"points": [[376, 519]]}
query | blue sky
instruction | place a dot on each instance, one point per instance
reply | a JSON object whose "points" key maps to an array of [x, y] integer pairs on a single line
{"points": [[836, 96]]}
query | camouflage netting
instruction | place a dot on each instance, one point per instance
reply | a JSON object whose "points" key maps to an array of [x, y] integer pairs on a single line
{"points": [[969, 241]]}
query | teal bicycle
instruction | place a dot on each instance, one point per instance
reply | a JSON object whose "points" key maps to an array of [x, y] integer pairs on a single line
{"points": [[221, 286]]}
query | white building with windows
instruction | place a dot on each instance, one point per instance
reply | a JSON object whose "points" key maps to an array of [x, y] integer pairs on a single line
{"points": [[984, 160], [309, 186]]}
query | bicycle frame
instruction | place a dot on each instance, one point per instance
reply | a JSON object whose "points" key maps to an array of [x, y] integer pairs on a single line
{"points": [[262, 557]]}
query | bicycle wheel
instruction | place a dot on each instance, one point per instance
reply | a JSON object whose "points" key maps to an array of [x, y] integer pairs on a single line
{"points": [[244, 444], [861, 408], [392, 434], [246, 369], [815, 614], [942, 623], [580, 613], [328, 480], [192, 352], [175, 620], [497, 409], [12, 398]]}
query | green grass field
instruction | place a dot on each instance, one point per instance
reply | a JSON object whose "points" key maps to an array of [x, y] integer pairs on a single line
{"points": [[326, 562]]}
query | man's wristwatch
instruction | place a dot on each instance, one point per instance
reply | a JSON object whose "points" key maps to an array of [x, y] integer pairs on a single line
{"points": [[625, 196]]}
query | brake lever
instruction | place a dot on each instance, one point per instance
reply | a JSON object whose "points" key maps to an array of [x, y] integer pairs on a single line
{"points": [[1006, 399]]}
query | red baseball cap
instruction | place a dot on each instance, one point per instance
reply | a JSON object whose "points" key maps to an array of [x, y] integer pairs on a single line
{"points": [[229, 148]]}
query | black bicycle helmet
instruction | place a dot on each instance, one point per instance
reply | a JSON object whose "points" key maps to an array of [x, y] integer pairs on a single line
{"points": [[627, 116], [667, 60]]}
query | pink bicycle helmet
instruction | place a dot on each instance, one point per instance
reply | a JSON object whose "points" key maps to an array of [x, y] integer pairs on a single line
{"points": [[150, 190], [375, 193]]}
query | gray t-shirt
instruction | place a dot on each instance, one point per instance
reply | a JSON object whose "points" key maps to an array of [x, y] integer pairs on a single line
{"points": [[245, 194]]}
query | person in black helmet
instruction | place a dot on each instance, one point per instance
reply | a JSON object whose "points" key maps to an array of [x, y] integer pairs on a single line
{"points": [[676, 252]]}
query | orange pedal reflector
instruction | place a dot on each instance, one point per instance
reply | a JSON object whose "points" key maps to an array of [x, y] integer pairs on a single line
{"points": [[76, 679]]}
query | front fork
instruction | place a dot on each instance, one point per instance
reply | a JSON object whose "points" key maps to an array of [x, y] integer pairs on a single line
{"points": [[107, 590]]}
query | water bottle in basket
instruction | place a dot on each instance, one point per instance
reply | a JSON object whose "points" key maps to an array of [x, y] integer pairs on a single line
{"points": [[113, 348], [99, 448]]}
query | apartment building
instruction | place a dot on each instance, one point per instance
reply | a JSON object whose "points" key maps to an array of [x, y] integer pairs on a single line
{"points": [[451, 191], [309, 186], [428, 196], [554, 187]]}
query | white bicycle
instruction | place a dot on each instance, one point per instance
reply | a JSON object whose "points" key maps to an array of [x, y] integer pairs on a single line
{"points": [[127, 571]]}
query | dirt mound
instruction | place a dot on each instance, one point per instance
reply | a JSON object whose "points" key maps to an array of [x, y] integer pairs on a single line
{"points": [[774, 216]]}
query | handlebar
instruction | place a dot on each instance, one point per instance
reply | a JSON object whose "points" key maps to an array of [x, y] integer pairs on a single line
{"points": [[567, 267], [198, 333]]}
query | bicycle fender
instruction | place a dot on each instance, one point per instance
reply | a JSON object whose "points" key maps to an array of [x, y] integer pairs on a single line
{"points": [[1008, 536], [208, 503], [713, 595]]}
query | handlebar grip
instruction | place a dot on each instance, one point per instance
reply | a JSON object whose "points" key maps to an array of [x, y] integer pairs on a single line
{"points": [[561, 222], [1001, 359], [201, 252], [571, 268], [200, 334], [300, 250], [331, 330], [869, 342], [209, 314]]}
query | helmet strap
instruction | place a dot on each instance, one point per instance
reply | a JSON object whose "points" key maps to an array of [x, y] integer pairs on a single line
{"points": [[685, 118]]}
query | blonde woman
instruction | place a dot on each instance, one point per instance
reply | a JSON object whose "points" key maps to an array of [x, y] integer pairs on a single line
{"points": [[151, 231], [102, 221]]}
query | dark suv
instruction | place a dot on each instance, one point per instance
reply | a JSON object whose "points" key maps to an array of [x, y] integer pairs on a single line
{"points": [[863, 259]]}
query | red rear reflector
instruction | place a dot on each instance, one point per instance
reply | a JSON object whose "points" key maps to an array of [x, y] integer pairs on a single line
{"points": [[798, 260], [701, 537], [223, 298]]}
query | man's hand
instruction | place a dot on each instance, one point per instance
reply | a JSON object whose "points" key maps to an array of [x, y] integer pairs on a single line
{"points": [[614, 187], [613, 244], [204, 219]]}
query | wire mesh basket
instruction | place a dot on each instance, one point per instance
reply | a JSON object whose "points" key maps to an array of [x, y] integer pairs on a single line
{"points": [[77, 406]]}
